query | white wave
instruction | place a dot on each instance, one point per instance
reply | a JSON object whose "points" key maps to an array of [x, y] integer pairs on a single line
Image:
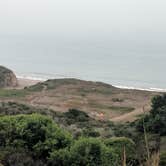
{"points": [[143, 89], [30, 77], [44, 77], [39, 76]]}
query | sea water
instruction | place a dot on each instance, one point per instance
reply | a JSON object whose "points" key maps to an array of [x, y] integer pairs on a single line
{"points": [[114, 62]]}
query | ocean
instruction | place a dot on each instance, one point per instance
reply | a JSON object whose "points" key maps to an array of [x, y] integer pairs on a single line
{"points": [[121, 63]]}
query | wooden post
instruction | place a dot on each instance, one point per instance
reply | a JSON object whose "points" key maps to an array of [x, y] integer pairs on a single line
{"points": [[124, 157]]}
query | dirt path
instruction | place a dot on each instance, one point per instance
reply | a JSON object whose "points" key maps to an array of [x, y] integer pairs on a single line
{"points": [[131, 116], [37, 98]]}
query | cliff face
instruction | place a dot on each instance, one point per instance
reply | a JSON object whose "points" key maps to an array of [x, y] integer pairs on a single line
{"points": [[7, 78]]}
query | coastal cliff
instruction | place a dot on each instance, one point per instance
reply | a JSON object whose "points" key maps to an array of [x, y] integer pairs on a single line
{"points": [[7, 78]]}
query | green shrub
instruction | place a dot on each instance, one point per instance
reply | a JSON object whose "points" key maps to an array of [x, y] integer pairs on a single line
{"points": [[155, 122], [6, 93], [37, 133], [35, 88], [92, 152], [90, 132], [74, 115], [60, 157], [121, 109]]}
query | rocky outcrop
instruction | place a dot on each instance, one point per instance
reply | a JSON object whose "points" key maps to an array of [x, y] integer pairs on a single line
{"points": [[7, 78]]}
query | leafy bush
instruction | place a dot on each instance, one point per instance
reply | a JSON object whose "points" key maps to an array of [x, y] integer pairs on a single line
{"points": [[60, 157], [92, 152], [75, 121], [90, 132], [36, 133], [77, 115], [85, 151]]}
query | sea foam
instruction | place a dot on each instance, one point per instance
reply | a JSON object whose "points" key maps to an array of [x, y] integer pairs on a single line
{"points": [[44, 77]]}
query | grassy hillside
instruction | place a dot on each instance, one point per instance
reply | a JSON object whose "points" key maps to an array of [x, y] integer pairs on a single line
{"points": [[100, 101]]}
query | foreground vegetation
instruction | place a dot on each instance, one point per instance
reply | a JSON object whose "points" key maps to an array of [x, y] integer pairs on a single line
{"points": [[37, 139], [31, 136]]}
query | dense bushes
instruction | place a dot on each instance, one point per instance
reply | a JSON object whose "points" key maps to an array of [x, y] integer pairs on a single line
{"points": [[77, 122], [153, 126], [85, 151], [35, 133], [76, 115], [155, 122], [36, 140]]}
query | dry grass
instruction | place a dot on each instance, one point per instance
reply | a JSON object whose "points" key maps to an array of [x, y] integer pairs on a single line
{"points": [[92, 97]]}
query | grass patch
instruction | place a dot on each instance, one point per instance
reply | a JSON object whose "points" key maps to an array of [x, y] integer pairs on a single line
{"points": [[96, 90], [112, 108], [5, 93], [105, 91], [140, 116], [117, 100], [35, 88], [122, 109], [52, 84]]}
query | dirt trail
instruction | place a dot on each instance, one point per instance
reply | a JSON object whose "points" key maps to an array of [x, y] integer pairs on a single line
{"points": [[37, 98], [131, 116]]}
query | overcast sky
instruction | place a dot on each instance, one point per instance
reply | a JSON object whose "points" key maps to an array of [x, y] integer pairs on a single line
{"points": [[82, 16]]}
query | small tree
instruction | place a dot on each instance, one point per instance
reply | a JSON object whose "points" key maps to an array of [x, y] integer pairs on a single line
{"points": [[123, 147]]}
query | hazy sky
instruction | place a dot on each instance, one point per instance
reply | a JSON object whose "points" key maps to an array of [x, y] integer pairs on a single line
{"points": [[90, 37], [84, 17]]}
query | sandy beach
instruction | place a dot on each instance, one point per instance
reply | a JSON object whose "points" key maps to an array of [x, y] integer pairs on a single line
{"points": [[22, 82]]}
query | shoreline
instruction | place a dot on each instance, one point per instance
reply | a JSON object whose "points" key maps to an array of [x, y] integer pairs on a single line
{"points": [[28, 81], [141, 89], [24, 81]]}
